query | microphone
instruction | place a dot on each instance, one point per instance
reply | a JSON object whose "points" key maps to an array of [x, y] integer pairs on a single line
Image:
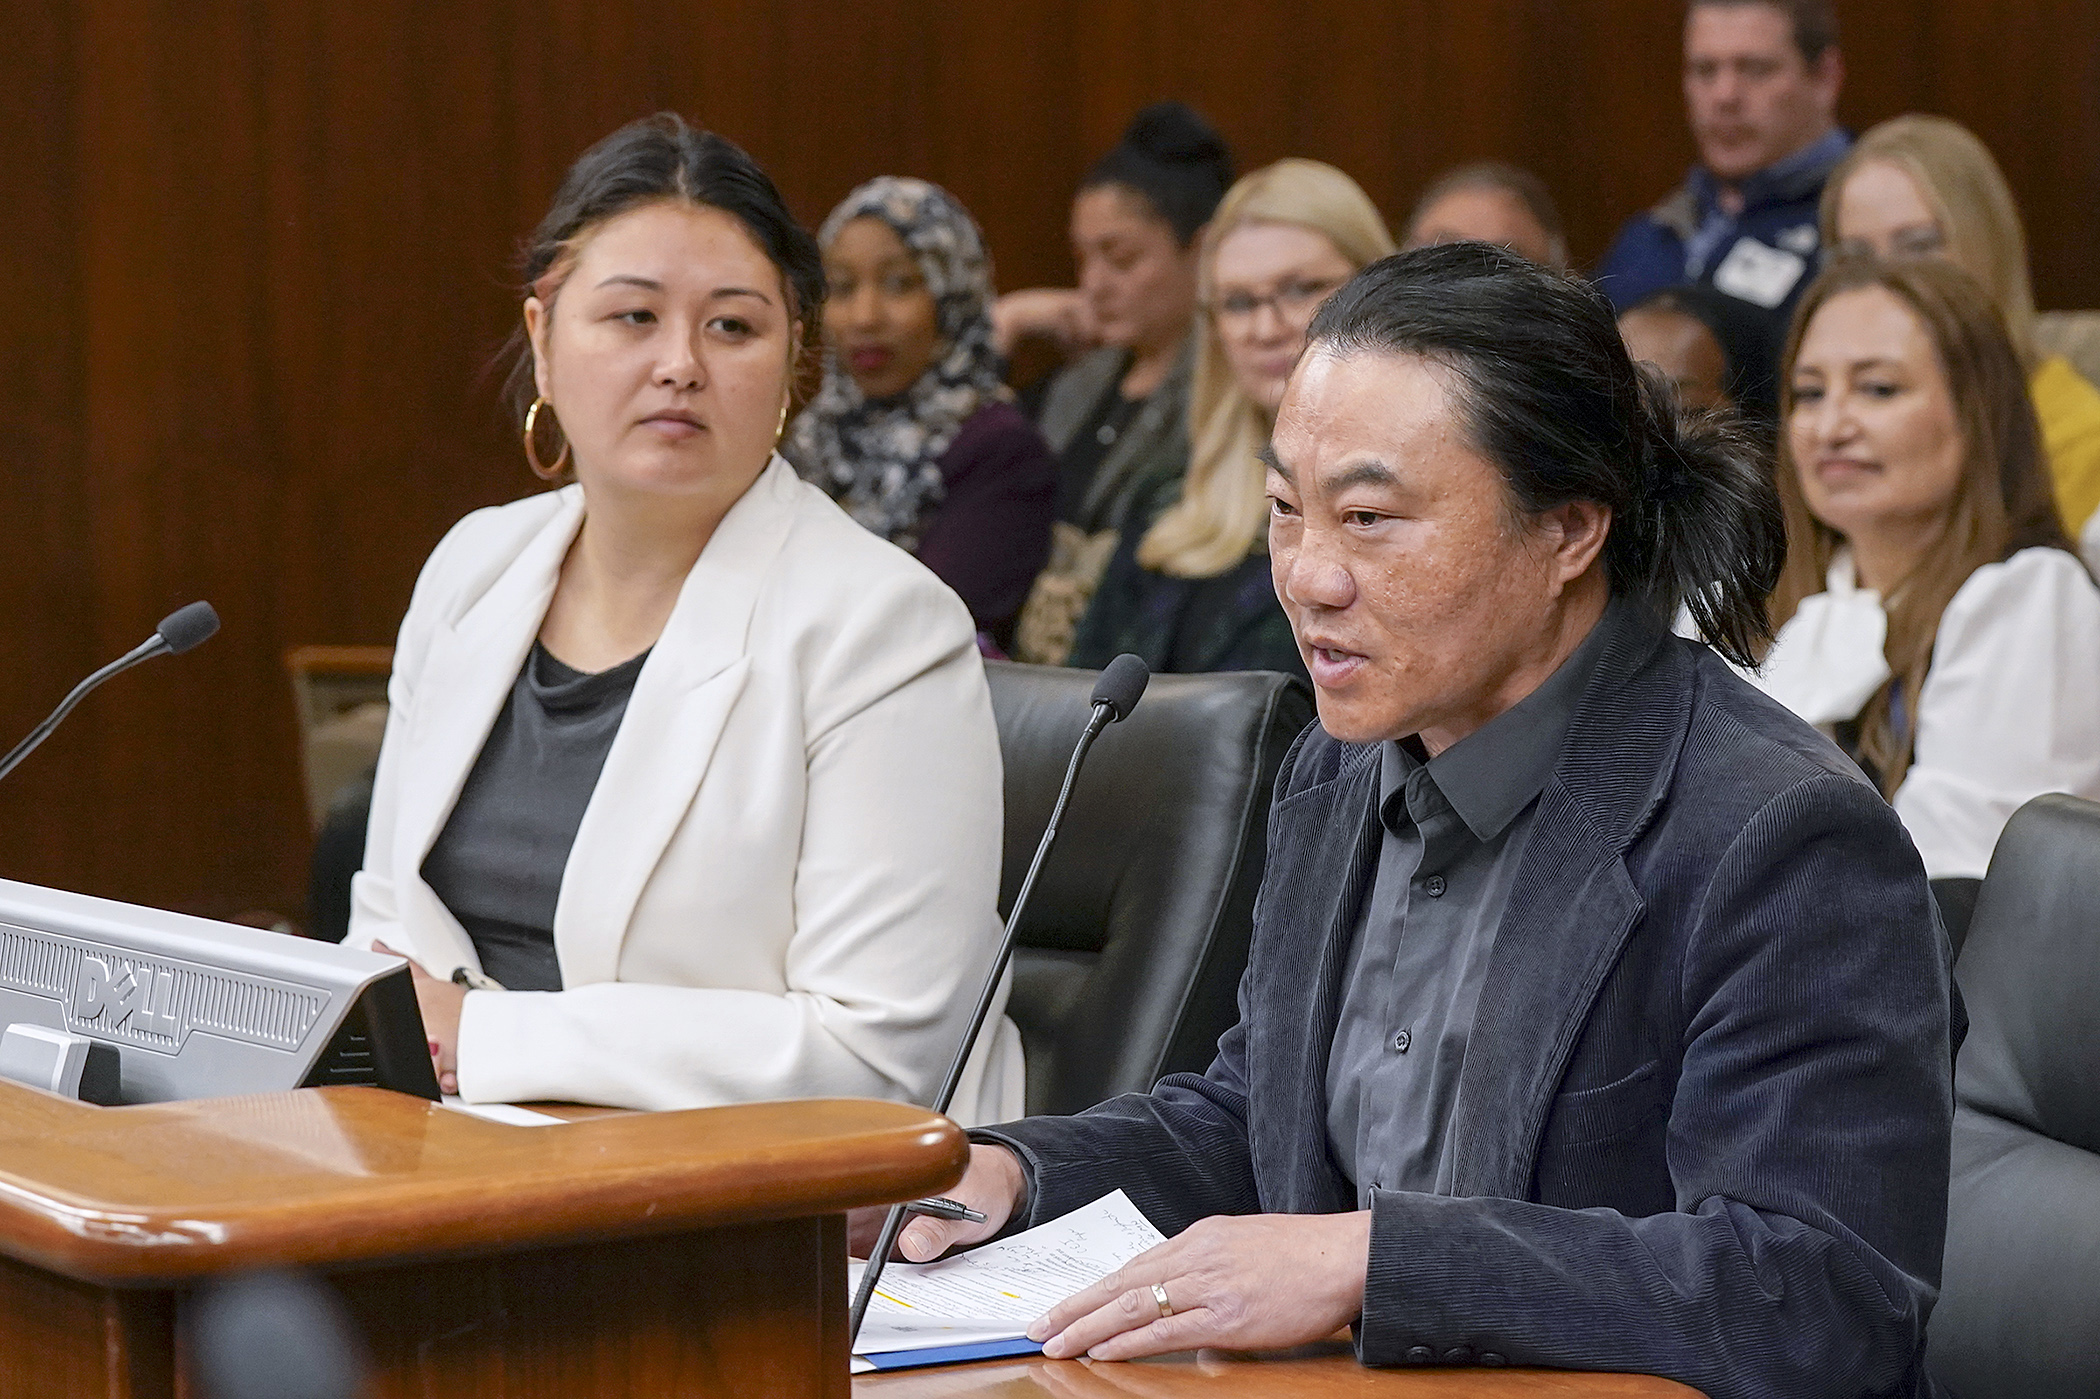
{"points": [[1116, 693], [179, 631], [1120, 687], [185, 629]]}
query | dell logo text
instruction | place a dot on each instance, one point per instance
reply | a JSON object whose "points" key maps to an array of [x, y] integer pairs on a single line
{"points": [[135, 999]]}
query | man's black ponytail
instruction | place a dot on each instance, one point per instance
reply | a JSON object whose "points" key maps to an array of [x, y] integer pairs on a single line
{"points": [[1550, 396], [1713, 534]]}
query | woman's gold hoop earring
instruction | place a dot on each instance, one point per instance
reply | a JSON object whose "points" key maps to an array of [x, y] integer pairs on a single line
{"points": [[780, 429], [532, 456]]}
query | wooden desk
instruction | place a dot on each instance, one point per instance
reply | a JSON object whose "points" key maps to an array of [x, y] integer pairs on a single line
{"points": [[633, 1254], [1311, 1372]]}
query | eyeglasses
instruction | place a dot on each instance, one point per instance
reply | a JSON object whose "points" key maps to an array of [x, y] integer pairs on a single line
{"points": [[1912, 240], [1292, 301]]}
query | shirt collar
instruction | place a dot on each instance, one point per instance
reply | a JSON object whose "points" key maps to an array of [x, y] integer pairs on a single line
{"points": [[1784, 181], [1493, 773]]}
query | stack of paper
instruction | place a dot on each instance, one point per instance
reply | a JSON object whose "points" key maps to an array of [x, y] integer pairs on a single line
{"points": [[977, 1305], [507, 1113]]}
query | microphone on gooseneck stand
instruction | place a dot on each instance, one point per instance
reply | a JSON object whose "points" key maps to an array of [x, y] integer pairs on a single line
{"points": [[180, 630], [1115, 695]]}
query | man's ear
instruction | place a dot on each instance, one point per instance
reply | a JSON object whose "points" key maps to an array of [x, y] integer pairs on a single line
{"points": [[1576, 531]]}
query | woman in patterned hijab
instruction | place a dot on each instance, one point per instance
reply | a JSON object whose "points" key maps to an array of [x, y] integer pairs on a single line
{"points": [[914, 432]]}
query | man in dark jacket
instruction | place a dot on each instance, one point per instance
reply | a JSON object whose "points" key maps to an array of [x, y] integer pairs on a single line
{"points": [[1597, 1015], [1761, 81]]}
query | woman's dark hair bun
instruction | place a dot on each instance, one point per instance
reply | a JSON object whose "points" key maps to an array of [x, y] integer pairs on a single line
{"points": [[1176, 131], [1174, 160]]}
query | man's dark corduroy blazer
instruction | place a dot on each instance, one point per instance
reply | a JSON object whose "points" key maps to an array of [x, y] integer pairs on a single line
{"points": [[1702, 1128]]}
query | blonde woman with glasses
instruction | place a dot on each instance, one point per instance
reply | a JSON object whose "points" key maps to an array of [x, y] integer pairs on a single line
{"points": [[1188, 588], [1926, 187]]}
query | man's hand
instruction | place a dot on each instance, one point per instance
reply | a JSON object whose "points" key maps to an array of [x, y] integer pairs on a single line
{"points": [[1256, 1282], [440, 1002], [992, 1185]]}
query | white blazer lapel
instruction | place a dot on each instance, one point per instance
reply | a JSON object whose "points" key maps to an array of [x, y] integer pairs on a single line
{"points": [[472, 663], [682, 701]]}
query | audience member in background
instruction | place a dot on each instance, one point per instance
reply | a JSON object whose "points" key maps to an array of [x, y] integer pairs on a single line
{"points": [[1191, 591], [1709, 345], [1761, 82], [1490, 203], [1921, 186], [1117, 417], [914, 431], [692, 780], [1595, 1015], [1935, 618]]}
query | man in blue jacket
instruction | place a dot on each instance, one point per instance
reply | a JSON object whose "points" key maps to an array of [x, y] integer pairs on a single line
{"points": [[1761, 81], [1596, 1015]]}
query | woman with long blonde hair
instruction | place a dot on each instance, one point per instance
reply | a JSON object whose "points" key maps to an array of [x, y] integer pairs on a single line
{"points": [[1188, 588], [1924, 186], [1933, 618]]}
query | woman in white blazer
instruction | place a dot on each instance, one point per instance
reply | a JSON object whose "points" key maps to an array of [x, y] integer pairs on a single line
{"points": [[679, 743], [1935, 618]]}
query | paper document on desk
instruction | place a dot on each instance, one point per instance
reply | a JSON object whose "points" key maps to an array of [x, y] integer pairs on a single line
{"points": [[507, 1113], [978, 1304]]}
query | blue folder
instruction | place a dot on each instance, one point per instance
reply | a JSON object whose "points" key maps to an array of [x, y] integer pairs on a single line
{"points": [[953, 1355]]}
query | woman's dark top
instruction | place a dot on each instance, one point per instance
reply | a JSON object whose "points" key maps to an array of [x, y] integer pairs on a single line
{"points": [[498, 863], [1846, 733], [1230, 621], [990, 535], [1113, 451], [1104, 424]]}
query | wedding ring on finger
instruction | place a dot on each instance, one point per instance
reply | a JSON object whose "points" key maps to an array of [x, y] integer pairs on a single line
{"points": [[1159, 1295]]}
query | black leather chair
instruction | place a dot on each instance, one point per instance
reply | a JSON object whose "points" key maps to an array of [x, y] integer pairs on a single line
{"points": [[339, 853], [1128, 960], [2019, 1311]]}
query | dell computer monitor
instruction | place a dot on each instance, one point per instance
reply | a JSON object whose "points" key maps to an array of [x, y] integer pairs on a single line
{"points": [[198, 1009]]}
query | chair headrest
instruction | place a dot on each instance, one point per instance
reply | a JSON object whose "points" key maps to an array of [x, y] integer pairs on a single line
{"points": [[2030, 973], [1164, 793]]}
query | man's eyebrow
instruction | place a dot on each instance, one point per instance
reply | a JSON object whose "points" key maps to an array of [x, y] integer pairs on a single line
{"points": [[1364, 473], [1268, 458]]}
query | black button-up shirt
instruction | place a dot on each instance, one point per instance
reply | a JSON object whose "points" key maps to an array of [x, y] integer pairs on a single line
{"points": [[1455, 828]]}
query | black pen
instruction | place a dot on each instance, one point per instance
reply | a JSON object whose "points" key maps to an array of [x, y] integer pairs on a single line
{"points": [[941, 1207]]}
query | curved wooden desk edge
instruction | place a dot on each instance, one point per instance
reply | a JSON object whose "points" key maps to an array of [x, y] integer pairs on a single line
{"points": [[331, 1176], [1327, 1370]]}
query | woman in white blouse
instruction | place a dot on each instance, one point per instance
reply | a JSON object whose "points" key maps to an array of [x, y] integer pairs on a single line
{"points": [[690, 789], [1934, 617]]}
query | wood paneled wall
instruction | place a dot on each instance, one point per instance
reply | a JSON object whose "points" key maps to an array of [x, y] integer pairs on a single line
{"points": [[256, 262]]}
